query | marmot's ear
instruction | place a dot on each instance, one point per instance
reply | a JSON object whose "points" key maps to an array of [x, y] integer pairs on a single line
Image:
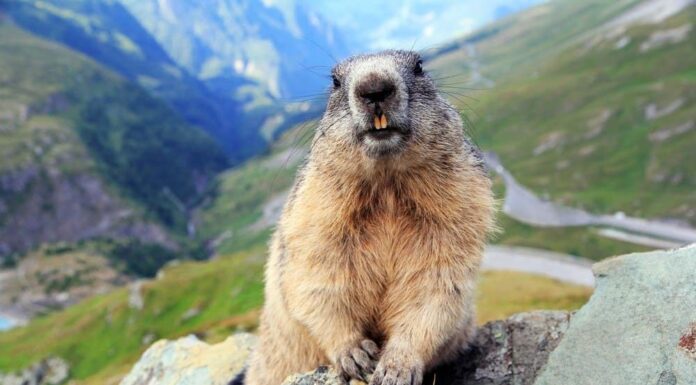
{"points": [[418, 69]]}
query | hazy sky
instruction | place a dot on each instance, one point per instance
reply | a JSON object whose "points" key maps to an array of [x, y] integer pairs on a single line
{"points": [[379, 24]]}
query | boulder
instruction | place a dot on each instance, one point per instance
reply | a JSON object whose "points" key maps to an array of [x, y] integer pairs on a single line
{"points": [[639, 327], [323, 375], [51, 371], [192, 362], [510, 351]]}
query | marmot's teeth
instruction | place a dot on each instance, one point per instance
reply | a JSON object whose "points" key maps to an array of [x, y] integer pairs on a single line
{"points": [[378, 123]]}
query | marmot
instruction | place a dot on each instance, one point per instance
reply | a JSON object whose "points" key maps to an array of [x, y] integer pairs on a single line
{"points": [[374, 261]]}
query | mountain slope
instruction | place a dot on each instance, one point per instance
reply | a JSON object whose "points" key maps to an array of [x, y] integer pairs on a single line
{"points": [[86, 154], [603, 119], [235, 69], [277, 45], [574, 128], [106, 31], [519, 43]]}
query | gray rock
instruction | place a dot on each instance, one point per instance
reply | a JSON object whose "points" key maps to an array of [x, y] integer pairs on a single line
{"points": [[639, 327], [191, 362], [508, 352], [51, 371], [321, 376]]}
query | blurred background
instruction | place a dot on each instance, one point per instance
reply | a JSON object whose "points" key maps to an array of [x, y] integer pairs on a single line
{"points": [[147, 147]]}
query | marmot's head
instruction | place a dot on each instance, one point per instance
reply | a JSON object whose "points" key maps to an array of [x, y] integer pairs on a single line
{"points": [[387, 106]]}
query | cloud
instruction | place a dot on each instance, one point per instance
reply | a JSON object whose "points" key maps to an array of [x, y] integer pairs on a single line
{"points": [[379, 24]]}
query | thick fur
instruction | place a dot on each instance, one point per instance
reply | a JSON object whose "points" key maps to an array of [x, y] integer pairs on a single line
{"points": [[373, 264]]}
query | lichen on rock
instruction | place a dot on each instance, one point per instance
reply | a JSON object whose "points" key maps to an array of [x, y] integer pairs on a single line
{"points": [[192, 362], [636, 326]]}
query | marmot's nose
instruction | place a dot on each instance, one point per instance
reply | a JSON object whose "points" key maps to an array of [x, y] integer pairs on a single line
{"points": [[373, 90]]}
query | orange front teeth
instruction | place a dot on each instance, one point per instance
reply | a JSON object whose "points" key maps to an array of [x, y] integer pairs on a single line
{"points": [[381, 122]]}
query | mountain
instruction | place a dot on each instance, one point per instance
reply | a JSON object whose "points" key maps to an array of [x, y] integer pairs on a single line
{"points": [[86, 154], [105, 31], [588, 103], [232, 68], [598, 114], [272, 58], [104, 133], [279, 45]]}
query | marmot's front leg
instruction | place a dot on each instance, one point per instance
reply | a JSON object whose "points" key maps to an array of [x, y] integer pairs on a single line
{"points": [[425, 311], [330, 314]]}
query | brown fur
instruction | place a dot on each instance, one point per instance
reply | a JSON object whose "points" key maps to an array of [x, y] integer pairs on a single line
{"points": [[382, 249]]}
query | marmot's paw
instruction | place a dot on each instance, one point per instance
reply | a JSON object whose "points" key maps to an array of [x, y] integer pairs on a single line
{"points": [[397, 369], [359, 361]]}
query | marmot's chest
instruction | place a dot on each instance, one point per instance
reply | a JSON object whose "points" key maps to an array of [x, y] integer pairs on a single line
{"points": [[373, 229]]}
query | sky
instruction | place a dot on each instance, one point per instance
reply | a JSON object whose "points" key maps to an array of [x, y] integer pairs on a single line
{"points": [[418, 24]]}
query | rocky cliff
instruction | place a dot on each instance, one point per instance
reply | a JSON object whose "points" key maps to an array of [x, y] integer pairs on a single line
{"points": [[639, 327]]}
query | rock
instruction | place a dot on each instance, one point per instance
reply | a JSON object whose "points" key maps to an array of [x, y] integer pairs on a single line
{"points": [[135, 296], [512, 351], [191, 362], [639, 327], [669, 36], [321, 376], [666, 133], [505, 352], [51, 371], [652, 111]]}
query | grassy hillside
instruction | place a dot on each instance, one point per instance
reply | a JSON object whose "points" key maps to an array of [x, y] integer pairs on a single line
{"points": [[583, 108], [236, 214], [103, 336], [232, 216], [86, 153], [521, 42], [603, 125]]}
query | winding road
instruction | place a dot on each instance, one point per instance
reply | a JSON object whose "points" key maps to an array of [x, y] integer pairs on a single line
{"points": [[563, 267], [524, 206]]}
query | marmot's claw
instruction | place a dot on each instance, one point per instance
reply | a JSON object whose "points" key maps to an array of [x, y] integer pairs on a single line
{"points": [[394, 372], [358, 362], [371, 348]]}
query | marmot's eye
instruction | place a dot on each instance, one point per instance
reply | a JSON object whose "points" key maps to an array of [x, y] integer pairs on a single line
{"points": [[336, 82], [419, 68]]}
